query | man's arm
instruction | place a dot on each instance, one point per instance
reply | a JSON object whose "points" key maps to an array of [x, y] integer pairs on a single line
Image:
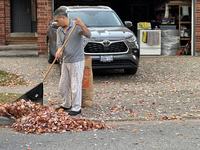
{"points": [[59, 44], [81, 24]]}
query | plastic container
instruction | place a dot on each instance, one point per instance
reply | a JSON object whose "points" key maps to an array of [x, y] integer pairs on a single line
{"points": [[166, 33], [156, 28], [170, 42], [187, 33], [171, 52], [168, 27]]}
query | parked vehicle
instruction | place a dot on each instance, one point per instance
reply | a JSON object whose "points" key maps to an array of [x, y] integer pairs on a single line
{"points": [[112, 44]]}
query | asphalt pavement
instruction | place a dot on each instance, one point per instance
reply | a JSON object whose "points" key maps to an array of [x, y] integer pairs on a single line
{"points": [[144, 135]]}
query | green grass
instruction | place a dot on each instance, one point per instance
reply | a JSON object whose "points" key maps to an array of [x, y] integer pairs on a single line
{"points": [[8, 97], [10, 79]]}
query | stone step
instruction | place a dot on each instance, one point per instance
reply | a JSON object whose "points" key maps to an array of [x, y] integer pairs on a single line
{"points": [[29, 50], [21, 40], [23, 34]]}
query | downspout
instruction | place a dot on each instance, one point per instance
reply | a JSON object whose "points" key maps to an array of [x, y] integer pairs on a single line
{"points": [[193, 46], [52, 8]]}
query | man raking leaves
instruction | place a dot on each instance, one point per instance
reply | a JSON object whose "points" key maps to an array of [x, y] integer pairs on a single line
{"points": [[73, 60]]}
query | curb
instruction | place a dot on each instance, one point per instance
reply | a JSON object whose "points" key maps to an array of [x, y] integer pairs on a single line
{"points": [[6, 121]]}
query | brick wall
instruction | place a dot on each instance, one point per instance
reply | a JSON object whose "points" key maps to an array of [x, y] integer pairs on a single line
{"points": [[197, 26], [44, 17], [2, 22], [7, 19]]}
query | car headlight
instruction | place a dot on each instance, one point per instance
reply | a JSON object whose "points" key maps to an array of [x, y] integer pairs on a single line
{"points": [[131, 40], [85, 41]]}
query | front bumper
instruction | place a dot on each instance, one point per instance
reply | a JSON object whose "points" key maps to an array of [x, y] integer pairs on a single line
{"points": [[122, 61]]}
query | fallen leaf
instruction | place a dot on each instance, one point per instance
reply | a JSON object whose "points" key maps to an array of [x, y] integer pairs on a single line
{"points": [[134, 130]]}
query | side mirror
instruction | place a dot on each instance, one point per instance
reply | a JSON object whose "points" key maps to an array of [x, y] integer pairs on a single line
{"points": [[128, 24], [54, 25]]}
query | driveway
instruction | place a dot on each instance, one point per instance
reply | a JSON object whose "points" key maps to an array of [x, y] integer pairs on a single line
{"points": [[165, 87]]}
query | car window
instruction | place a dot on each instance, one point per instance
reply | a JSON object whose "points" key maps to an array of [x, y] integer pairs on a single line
{"points": [[96, 19]]}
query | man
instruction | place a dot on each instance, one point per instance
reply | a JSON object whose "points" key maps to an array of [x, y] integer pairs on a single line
{"points": [[73, 60]]}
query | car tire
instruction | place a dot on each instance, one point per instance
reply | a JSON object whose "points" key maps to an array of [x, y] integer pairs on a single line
{"points": [[130, 71], [50, 57]]}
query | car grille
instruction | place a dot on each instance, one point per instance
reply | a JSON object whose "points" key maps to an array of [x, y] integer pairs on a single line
{"points": [[115, 47], [115, 64], [119, 62]]}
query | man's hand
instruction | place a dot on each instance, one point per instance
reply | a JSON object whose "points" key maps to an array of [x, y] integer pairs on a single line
{"points": [[78, 21], [58, 53], [81, 24]]}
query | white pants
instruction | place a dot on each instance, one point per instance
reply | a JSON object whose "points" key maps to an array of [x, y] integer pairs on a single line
{"points": [[71, 83]]}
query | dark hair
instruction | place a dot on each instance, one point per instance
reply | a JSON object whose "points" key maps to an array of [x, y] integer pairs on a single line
{"points": [[61, 11]]}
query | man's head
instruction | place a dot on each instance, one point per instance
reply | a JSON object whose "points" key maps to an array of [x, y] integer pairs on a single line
{"points": [[60, 16]]}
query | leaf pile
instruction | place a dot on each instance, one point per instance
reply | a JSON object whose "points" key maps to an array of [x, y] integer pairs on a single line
{"points": [[33, 118], [19, 109]]}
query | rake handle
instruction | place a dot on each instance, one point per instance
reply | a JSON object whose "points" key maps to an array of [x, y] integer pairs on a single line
{"points": [[58, 52]]}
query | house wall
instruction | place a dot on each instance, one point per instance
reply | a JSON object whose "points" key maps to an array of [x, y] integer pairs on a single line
{"points": [[44, 17], [7, 18], [197, 26], [4, 20]]}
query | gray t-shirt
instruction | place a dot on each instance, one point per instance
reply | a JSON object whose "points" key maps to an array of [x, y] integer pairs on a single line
{"points": [[73, 50]]}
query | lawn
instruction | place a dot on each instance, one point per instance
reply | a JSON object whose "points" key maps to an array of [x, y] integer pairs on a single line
{"points": [[8, 97], [8, 79]]}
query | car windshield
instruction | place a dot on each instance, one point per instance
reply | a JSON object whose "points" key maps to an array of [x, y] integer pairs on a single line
{"points": [[96, 18]]}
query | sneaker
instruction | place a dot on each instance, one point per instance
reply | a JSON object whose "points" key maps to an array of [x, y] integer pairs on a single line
{"points": [[74, 113], [65, 109]]}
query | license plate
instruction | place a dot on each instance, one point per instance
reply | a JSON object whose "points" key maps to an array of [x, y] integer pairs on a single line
{"points": [[106, 58]]}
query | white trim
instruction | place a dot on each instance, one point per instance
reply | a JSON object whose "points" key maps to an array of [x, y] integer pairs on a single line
{"points": [[193, 35]]}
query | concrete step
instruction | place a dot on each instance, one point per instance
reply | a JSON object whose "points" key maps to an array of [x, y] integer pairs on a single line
{"points": [[23, 34], [29, 50], [21, 40]]}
